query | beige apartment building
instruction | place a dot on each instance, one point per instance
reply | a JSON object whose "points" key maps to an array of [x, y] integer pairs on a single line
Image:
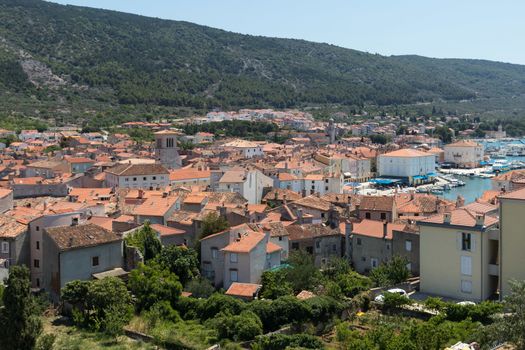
{"points": [[459, 255], [512, 242]]}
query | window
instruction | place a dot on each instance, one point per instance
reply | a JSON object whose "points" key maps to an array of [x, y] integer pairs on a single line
{"points": [[280, 238], [388, 246], [233, 257], [383, 216], [37, 245], [234, 276], [74, 221], [334, 247], [126, 179], [38, 228], [322, 215], [466, 265], [5, 247], [367, 215], [295, 245], [144, 178], [134, 179], [363, 258], [94, 261], [466, 241], [36, 263], [317, 244], [38, 282], [466, 286], [326, 188], [359, 241], [326, 181], [214, 253], [408, 245], [154, 178], [409, 266], [374, 262]]}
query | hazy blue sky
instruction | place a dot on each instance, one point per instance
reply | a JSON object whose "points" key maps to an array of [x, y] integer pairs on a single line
{"points": [[486, 29]]}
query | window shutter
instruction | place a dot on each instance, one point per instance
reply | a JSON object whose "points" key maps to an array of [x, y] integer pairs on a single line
{"points": [[473, 239], [458, 240]]}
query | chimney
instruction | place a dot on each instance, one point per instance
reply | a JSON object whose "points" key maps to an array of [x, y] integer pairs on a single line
{"points": [[299, 214], [164, 194], [446, 218], [349, 227], [222, 210], [276, 196], [141, 194], [385, 229], [303, 192], [412, 194], [284, 199], [480, 219], [460, 201]]}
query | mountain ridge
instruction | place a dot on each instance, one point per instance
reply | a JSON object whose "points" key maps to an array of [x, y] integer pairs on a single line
{"points": [[67, 54]]}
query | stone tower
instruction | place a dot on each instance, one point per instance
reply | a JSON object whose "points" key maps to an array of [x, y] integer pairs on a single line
{"points": [[166, 149], [331, 130]]}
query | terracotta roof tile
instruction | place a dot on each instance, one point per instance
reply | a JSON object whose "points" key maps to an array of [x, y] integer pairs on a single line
{"points": [[72, 237], [245, 290]]}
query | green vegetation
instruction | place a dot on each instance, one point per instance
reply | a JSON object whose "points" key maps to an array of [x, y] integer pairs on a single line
{"points": [[256, 130], [213, 223], [145, 240], [99, 305], [390, 273], [181, 261], [20, 323]]}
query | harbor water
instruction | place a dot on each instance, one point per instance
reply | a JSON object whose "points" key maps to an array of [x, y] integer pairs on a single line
{"points": [[474, 188]]}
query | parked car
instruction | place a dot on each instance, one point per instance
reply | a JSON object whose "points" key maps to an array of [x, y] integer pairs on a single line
{"points": [[381, 297], [466, 303]]}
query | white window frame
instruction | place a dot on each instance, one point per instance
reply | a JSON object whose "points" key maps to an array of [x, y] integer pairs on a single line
{"points": [[214, 253], [466, 265], [408, 245], [466, 286], [234, 258], [5, 247]]}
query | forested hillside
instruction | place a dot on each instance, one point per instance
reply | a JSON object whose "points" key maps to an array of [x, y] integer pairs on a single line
{"points": [[67, 55]]}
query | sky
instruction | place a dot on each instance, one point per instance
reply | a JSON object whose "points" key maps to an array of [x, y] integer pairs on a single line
{"points": [[484, 29]]}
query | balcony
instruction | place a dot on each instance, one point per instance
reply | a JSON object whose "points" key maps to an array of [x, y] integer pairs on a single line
{"points": [[493, 270], [493, 234]]}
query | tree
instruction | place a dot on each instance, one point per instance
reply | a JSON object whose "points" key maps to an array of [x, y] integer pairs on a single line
{"points": [[511, 326], [275, 285], [213, 223], [20, 325], [100, 305], [180, 260], [393, 272], [302, 275], [153, 283], [242, 327], [145, 239], [200, 287]]}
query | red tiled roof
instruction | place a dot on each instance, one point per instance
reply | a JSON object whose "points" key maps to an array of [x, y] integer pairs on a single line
{"points": [[245, 290], [374, 228]]}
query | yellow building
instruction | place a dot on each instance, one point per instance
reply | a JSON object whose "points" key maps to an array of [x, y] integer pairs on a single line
{"points": [[459, 255], [512, 250]]}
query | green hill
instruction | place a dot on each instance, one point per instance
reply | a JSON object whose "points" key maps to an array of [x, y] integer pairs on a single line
{"points": [[56, 59]]}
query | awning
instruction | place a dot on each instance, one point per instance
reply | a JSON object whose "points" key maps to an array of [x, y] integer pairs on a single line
{"points": [[420, 177], [117, 272], [384, 181]]}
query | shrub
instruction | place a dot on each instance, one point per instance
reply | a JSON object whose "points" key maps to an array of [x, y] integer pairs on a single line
{"points": [[390, 273], [352, 283], [245, 326], [151, 284], [220, 303], [161, 311], [279, 312], [282, 341], [200, 287], [275, 284], [394, 300], [323, 308], [188, 308], [478, 313]]}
